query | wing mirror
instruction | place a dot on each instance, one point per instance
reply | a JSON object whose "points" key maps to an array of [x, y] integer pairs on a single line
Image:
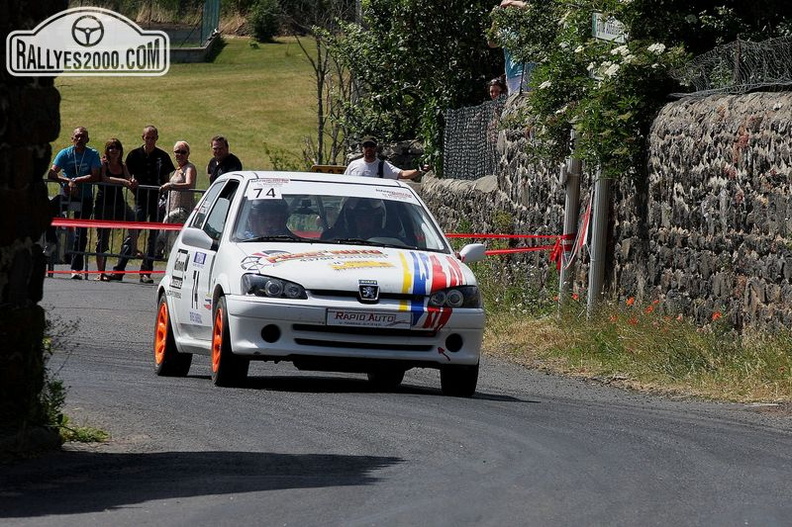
{"points": [[196, 238], [473, 252]]}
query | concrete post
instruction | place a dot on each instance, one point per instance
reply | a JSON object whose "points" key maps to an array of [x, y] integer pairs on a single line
{"points": [[599, 238], [571, 179]]}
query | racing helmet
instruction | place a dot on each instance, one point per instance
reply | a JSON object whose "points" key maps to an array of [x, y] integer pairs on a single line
{"points": [[366, 209], [270, 207], [267, 214]]}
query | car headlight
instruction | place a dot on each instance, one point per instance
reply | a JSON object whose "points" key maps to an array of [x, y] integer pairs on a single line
{"points": [[259, 285], [463, 296]]}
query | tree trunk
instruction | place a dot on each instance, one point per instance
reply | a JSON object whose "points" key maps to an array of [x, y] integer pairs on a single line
{"points": [[29, 121]]}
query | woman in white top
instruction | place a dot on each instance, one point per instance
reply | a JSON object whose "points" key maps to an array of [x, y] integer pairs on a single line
{"points": [[179, 189]]}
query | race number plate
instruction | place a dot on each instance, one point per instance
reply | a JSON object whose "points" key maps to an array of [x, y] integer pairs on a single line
{"points": [[368, 319]]}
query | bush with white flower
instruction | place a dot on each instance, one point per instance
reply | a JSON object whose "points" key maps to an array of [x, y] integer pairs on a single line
{"points": [[609, 91]]}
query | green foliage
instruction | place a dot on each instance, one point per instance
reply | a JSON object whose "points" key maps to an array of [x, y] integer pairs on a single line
{"points": [[281, 159], [611, 92], [411, 60], [264, 20], [53, 394], [81, 434]]}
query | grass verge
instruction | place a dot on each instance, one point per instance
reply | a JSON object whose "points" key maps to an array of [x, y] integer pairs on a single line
{"points": [[644, 349], [260, 96]]}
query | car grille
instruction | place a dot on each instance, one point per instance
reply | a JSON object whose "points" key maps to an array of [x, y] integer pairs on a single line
{"points": [[327, 294], [355, 342]]}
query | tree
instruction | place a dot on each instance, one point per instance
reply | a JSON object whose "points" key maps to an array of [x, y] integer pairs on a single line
{"points": [[410, 60], [320, 21], [28, 123]]}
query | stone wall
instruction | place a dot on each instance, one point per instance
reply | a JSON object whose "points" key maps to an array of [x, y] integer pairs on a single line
{"points": [[29, 121], [709, 232]]}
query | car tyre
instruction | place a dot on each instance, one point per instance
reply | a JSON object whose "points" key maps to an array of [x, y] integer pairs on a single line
{"points": [[459, 381], [386, 379], [227, 368], [168, 362]]}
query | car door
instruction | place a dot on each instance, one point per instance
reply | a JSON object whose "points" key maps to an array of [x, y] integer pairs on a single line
{"points": [[196, 265]]}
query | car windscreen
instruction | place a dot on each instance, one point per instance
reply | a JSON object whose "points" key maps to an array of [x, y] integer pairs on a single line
{"points": [[289, 213]]}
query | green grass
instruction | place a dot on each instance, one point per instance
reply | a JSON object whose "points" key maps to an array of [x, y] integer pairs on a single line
{"points": [[258, 97], [642, 348]]}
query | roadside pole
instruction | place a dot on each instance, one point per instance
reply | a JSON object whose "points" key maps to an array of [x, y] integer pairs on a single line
{"points": [[599, 238], [570, 178], [606, 29]]}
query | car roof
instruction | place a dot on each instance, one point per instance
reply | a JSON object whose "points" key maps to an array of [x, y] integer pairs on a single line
{"points": [[248, 175]]}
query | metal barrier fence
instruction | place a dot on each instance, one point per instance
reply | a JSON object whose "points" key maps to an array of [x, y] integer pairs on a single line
{"points": [[470, 140], [129, 225], [739, 67]]}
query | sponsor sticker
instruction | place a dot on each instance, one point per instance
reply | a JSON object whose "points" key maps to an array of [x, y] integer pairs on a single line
{"points": [[179, 269], [370, 319], [87, 41]]}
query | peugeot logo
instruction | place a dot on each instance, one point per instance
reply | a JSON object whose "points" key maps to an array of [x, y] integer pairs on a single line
{"points": [[369, 294], [87, 31]]}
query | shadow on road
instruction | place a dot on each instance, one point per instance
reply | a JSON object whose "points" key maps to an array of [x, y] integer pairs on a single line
{"points": [[71, 482], [316, 384]]}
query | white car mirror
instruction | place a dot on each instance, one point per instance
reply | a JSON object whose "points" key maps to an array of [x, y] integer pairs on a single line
{"points": [[473, 252], [196, 238]]}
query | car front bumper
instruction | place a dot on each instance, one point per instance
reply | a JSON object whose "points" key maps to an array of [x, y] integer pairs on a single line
{"points": [[288, 330]]}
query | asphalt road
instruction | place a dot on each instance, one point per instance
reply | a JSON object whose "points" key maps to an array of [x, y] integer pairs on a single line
{"points": [[299, 449]]}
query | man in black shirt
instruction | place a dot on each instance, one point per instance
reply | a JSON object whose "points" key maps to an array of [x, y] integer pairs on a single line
{"points": [[151, 167], [223, 160]]}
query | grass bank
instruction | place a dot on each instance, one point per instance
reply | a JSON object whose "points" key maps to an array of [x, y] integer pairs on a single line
{"points": [[639, 347], [261, 97]]}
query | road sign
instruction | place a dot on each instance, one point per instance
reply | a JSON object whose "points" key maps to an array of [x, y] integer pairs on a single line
{"points": [[608, 28]]}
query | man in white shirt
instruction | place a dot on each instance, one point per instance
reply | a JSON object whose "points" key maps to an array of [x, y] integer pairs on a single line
{"points": [[370, 166]]}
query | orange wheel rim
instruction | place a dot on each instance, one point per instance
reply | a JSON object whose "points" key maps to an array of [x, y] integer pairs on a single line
{"points": [[161, 333], [217, 339]]}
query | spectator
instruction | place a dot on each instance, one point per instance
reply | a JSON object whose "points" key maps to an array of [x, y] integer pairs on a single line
{"points": [[150, 166], [179, 196], [496, 87], [110, 200], [518, 74], [370, 166], [222, 161], [76, 167]]}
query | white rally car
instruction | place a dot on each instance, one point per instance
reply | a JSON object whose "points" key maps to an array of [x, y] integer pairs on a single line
{"points": [[329, 272]]}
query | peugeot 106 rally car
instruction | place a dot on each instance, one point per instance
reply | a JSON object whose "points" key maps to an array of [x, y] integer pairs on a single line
{"points": [[329, 272]]}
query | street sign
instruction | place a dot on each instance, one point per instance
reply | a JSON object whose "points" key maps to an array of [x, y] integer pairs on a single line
{"points": [[607, 28]]}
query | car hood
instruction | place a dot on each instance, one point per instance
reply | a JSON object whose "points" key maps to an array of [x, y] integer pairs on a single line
{"points": [[345, 267]]}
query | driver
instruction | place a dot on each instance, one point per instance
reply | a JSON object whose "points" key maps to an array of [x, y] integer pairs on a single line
{"points": [[366, 218], [268, 218]]}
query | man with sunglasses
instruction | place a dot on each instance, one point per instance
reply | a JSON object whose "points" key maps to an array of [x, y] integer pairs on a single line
{"points": [[151, 167], [76, 167]]}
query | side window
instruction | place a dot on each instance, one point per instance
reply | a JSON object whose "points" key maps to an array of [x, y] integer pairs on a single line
{"points": [[216, 219], [205, 205]]}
